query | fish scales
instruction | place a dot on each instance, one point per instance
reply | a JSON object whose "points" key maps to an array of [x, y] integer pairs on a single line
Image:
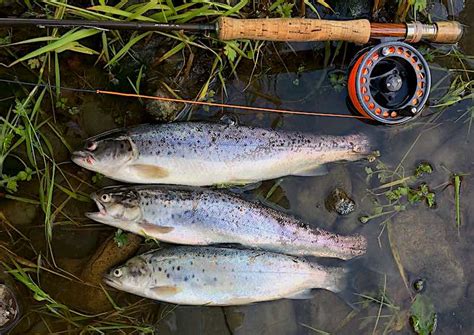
{"points": [[200, 154], [222, 276], [196, 216]]}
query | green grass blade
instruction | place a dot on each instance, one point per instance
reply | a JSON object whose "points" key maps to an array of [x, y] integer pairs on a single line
{"points": [[114, 11], [64, 40], [127, 47], [33, 40]]}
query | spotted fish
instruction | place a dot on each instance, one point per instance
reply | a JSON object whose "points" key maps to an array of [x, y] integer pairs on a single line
{"points": [[200, 154], [196, 216], [222, 276]]}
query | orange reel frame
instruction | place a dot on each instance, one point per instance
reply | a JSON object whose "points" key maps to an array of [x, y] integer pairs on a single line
{"points": [[372, 101]]}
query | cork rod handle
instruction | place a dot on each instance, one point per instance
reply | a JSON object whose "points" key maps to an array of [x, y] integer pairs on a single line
{"points": [[294, 29]]}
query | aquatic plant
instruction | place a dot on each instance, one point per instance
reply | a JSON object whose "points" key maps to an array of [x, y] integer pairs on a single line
{"points": [[399, 192]]}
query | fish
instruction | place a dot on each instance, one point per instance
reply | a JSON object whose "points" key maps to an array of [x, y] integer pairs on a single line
{"points": [[211, 276], [206, 154], [199, 216]]}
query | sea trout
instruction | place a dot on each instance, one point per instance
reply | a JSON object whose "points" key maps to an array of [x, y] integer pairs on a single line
{"points": [[201, 154], [222, 276], [195, 216]]}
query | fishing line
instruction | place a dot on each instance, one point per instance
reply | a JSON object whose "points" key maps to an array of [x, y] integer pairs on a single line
{"points": [[192, 102]]}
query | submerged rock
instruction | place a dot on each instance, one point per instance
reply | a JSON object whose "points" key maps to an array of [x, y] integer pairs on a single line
{"points": [[190, 320], [89, 296], [339, 202], [272, 318], [183, 75], [307, 195], [325, 311], [425, 252], [9, 309], [163, 111]]}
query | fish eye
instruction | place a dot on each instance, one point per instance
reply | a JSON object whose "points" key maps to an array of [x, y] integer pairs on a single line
{"points": [[91, 146], [105, 197], [117, 273]]}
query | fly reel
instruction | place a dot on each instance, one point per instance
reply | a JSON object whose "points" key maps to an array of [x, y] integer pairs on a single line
{"points": [[389, 83]]}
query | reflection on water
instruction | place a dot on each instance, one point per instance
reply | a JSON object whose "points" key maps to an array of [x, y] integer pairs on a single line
{"points": [[425, 242]]}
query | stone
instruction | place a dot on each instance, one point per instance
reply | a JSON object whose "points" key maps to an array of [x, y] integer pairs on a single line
{"points": [[9, 309], [307, 195], [422, 241], [269, 318]]}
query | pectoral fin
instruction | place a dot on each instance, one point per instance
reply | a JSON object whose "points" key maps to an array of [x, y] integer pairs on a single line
{"points": [[149, 171], [153, 230], [319, 170], [165, 290]]}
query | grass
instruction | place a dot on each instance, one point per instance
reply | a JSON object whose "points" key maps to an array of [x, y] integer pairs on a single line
{"points": [[127, 319]]}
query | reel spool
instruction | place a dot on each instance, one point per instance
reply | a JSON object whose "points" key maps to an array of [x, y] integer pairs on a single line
{"points": [[389, 83]]}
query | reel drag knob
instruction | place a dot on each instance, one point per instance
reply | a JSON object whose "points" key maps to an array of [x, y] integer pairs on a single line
{"points": [[389, 83]]}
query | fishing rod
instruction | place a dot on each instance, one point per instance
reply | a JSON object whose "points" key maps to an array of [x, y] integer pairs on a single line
{"points": [[388, 82], [274, 29]]}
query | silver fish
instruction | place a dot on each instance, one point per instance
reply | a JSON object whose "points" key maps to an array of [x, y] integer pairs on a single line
{"points": [[195, 216], [222, 276], [200, 154]]}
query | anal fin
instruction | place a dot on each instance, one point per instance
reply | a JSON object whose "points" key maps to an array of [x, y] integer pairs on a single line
{"points": [[319, 170], [305, 294]]}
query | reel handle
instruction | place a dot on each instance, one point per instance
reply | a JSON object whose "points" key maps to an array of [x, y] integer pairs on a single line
{"points": [[294, 30]]}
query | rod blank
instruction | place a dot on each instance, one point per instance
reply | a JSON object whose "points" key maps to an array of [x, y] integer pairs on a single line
{"points": [[109, 25]]}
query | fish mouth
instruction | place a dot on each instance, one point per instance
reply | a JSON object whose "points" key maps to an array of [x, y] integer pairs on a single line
{"points": [[111, 281], [82, 158], [101, 214]]}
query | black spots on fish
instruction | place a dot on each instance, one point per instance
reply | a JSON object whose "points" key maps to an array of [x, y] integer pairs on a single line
{"points": [[169, 262], [172, 268], [191, 262], [192, 276], [178, 268], [159, 269], [150, 142], [157, 152], [167, 275], [203, 270], [215, 278], [185, 278]]}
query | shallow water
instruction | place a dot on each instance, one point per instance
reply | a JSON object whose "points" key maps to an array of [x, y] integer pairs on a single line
{"points": [[427, 242]]}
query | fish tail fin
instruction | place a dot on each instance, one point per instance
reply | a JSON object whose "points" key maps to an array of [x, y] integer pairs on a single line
{"points": [[337, 279], [352, 280]]}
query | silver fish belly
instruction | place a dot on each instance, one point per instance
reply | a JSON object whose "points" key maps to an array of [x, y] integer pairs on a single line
{"points": [[200, 154], [195, 216], [222, 276]]}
